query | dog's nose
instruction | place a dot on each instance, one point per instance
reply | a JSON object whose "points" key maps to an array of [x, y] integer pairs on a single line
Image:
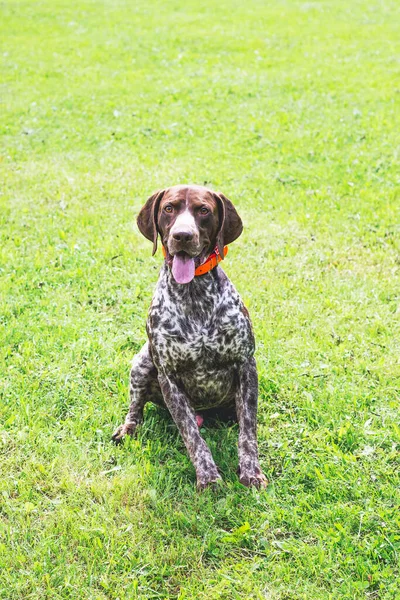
{"points": [[183, 236]]}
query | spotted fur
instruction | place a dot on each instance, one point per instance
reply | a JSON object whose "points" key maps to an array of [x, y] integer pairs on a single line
{"points": [[199, 356]]}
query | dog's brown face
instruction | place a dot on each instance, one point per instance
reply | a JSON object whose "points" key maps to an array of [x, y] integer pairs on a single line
{"points": [[191, 221]]}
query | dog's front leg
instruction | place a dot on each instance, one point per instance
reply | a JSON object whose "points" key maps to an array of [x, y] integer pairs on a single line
{"points": [[246, 407], [185, 419]]}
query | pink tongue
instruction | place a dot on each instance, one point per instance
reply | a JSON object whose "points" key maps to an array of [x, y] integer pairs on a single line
{"points": [[182, 268]]}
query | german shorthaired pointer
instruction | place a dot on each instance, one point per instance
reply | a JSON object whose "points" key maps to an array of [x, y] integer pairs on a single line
{"points": [[200, 349]]}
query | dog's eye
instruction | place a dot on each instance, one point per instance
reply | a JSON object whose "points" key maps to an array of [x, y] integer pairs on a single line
{"points": [[169, 209], [204, 210]]}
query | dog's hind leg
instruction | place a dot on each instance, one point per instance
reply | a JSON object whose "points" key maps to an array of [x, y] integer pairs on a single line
{"points": [[143, 387]]}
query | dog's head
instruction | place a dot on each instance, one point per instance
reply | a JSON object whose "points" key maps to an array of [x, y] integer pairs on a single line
{"points": [[191, 221]]}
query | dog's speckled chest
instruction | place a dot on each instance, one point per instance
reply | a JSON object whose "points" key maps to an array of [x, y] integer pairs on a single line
{"points": [[200, 333]]}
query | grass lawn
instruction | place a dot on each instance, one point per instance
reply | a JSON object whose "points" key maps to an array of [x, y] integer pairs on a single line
{"points": [[292, 109]]}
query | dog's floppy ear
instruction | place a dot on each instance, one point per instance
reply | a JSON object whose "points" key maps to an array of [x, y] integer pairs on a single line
{"points": [[230, 224], [147, 218]]}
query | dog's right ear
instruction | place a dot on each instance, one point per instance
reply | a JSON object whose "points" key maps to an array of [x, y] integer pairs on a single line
{"points": [[147, 218]]}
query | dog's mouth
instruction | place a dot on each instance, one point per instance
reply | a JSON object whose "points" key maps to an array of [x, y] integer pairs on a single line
{"points": [[183, 266]]}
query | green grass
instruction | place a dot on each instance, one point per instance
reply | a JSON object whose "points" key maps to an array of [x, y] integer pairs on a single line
{"points": [[292, 109]]}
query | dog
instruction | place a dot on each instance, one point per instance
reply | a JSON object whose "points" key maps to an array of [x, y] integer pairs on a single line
{"points": [[200, 349]]}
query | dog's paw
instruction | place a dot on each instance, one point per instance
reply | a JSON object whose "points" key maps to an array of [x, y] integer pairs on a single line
{"points": [[253, 478], [210, 483], [209, 479], [122, 431]]}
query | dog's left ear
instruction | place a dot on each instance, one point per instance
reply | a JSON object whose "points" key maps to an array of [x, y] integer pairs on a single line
{"points": [[147, 218], [230, 224]]}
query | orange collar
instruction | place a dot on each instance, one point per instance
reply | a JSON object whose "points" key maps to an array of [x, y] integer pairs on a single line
{"points": [[213, 259]]}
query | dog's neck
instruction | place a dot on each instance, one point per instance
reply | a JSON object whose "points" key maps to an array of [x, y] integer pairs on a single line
{"points": [[200, 296], [210, 261]]}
